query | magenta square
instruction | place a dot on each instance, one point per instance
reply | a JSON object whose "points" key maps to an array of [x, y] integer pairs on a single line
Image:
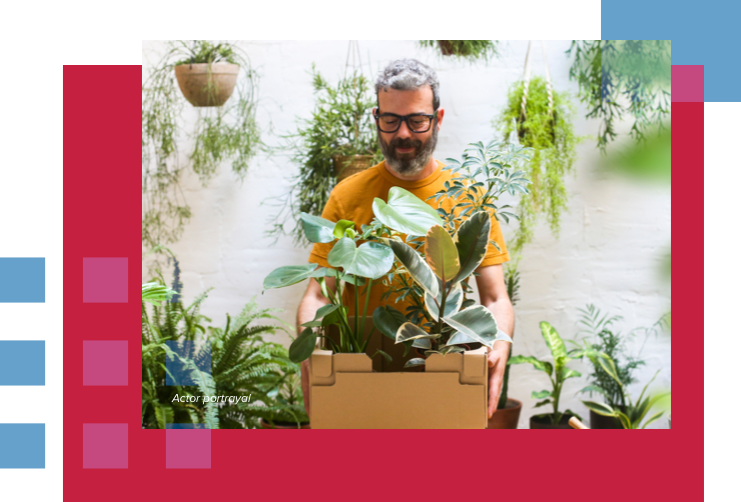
{"points": [[688, 83], [188, 448], [105, 362], [105, 280], [105, 446]]}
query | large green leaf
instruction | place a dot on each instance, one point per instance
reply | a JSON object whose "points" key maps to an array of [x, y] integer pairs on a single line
{"points": [[556, 346], [317, 229], [537, 363], [302, 346], [341, 228], [320, 313], [472, 241], [452, 302], [409, 331], [416, 266], [441, 254], [417, 361], [287, 276], [569, 373], [477, 322], [388, 320], [370, 259], [406, 213], [541, 394]]}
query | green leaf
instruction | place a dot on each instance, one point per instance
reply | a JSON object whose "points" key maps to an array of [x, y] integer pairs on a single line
{"points": [[422, 343], [405, 213], [537, 363], [317, 229], [417, 361], [388, 320], [341, 227], [593, 388], [541, 394], [452, 302], [370, 259], [601, 408], [477, 322], [542, 403], [320, 313], [302, 346], [471, 241], [556, 346], [288, 276], [441, 254], [385, 355], [416, 266], [409, 331], [569, 373]]}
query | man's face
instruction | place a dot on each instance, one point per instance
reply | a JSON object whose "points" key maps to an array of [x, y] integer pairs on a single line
{"points": [[408, 152]]}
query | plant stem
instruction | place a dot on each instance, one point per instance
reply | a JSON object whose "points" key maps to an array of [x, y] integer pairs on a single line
{"points": [[363, 344]]}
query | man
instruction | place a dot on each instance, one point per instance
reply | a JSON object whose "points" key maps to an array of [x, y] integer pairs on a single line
{"points": [[408, 118]]}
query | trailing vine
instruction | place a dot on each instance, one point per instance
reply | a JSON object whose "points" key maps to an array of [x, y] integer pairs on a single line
{"points": [[220, 134], [472, 50], [552, 137]]}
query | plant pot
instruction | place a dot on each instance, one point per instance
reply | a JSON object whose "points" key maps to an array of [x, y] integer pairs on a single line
{"points": [[507, 417], [347, 165], [282, 425], [597, 421], [544, 422], [207, 85]]}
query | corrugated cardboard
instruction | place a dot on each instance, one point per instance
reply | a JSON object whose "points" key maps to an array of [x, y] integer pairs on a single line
{"points": [[346, 393]]}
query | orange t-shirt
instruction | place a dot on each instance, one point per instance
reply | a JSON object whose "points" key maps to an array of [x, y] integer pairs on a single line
{"points": [[352, 199]]}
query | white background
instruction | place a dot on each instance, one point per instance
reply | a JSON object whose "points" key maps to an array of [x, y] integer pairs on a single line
{"points": [[614, 234]]}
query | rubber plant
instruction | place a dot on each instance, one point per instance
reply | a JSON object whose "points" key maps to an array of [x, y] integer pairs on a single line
{"points": [[341, 124], [439, 264], [472, 50], [228, 133], [545, 125], [557, 372]]}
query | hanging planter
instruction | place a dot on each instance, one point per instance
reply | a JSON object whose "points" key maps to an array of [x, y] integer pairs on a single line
{"points": [[205, 84], [467, 49], [347, 165], [542, 119]]}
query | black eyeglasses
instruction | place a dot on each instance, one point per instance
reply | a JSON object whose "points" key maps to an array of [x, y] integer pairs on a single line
{"points": [[416, 122]]}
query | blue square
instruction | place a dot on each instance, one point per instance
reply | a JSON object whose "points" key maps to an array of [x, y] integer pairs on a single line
{"points": [[188, 360], [22, 362], [22, 280], [22, 446]]}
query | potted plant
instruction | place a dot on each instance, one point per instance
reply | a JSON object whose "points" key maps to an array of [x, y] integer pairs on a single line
{"points": [[464, 49], [557, 373], [339, 140], [508, 411], [543, 123], [227, 133], [288, 399], [604, 340], [208, 75]]}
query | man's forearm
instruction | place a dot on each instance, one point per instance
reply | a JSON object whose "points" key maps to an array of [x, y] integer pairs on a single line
{"points": [[505, 316]]}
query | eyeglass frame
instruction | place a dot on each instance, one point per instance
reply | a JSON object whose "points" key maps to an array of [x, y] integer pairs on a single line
{"points": [[405, 119]]}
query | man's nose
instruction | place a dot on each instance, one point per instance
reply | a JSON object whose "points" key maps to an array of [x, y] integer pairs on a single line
{"points": [[403, 131]]}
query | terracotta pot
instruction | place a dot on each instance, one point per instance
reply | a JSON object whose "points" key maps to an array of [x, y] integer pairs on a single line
{"points": [[597, 421], [347, 165], [282, 425], [204, 86], [506, 418], [544, 422]]}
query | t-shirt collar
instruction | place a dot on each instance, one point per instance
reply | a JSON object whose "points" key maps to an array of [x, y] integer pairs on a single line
{"points": [[410, 183]]}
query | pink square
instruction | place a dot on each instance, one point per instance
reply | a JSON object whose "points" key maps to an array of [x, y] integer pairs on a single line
{"points": [[105, 446], [105, 362], [105, 280], [688, 83], [188, 448]]}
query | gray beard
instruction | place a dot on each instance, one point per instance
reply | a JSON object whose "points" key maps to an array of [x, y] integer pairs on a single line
{"points": [[412, 166]]}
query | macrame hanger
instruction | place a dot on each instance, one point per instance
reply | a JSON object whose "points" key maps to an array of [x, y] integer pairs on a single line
{"points": [[353, 56], [526, 80], [548, 85]]}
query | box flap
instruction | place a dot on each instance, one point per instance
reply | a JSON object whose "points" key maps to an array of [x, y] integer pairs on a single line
{"points": [[321, 363], [474, 363]]}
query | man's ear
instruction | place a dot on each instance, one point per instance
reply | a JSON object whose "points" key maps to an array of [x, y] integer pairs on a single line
{"points": [[440, 114]]}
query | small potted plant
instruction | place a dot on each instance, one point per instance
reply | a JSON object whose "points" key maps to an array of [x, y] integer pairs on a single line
{"points": [[208, 74], [557, 373]]}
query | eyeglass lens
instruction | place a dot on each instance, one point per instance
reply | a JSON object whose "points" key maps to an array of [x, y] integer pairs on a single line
{"points": [[416, 123]]}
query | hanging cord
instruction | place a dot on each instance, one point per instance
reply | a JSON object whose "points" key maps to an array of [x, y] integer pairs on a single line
{"points": [[526, 79], [548, 85], [353, 52]]}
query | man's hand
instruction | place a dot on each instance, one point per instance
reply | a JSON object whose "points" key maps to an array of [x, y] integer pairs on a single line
{"points": [[497, 359]]}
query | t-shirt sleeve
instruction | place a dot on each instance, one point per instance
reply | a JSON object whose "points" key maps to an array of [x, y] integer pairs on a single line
{"points": [[493, 255], [332, 211]]}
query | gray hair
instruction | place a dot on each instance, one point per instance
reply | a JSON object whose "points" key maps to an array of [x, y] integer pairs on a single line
{"points": [[409, 75]]}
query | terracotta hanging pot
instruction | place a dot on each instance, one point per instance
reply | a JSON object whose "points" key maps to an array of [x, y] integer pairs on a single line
{"points": [[544, 422], [507, 417], [282, 425], [347, 165], [207, 85]]}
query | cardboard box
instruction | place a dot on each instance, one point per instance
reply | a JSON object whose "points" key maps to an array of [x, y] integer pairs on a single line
{"points": [[346, 393]]}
